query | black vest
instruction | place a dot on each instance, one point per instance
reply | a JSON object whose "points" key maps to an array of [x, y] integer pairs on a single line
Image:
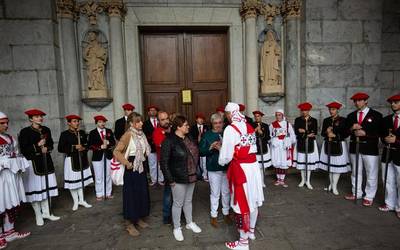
{"points": [[66, 144]]}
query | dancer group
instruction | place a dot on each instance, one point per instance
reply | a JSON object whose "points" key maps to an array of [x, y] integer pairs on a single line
{"points": [[231, 155]]}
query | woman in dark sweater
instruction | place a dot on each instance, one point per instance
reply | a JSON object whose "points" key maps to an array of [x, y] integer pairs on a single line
{"points": [[179, 158]]}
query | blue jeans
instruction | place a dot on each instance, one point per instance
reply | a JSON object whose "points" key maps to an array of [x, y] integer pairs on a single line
{"points": [[167, 203]]}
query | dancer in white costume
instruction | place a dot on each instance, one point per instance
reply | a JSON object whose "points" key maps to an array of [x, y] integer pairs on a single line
{"points": [[36, 143], [239, 151], [12, 192], [283, 140]]}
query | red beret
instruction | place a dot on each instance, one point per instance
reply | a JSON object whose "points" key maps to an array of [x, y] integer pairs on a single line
{"points": [[359, 96], [257, 112], [242, 107], [152, 107], [32, 112], [394, 98], [334, 105], [72, 116], [305, 106], [220, 109], [100, 118], [128, 106], [200, 115]]}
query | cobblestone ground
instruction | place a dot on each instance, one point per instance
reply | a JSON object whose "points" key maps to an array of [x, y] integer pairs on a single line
{"points": [[292, 218]]}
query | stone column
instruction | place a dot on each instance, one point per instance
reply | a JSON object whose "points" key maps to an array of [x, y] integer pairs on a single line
{"points": [[291, 13], [71, 84], [116, 11], [248, 11]]}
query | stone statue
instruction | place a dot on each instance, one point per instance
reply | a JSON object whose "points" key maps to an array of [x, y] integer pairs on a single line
{"points": [[270, 68], [95, 56]]}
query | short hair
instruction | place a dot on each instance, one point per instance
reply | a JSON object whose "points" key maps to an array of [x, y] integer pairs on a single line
{"points": [[134, 117], [178, 122], [215, 116], [161, 112]]}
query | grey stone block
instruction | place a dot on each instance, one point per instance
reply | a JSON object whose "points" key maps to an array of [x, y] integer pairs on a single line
{"points": [[360, 9], [23, 32], [6, 58], [317, 9], [372, 76], [328, 54], [396, 80], [319, 97], [341, 75], [372, 31], [390, 60], [373, 92], [28, 8], [47, 80], [313, 31], [366, 53], [342, 31], [34, 57], [19, 83], [312, 76], [391, 42], [386, 78]]}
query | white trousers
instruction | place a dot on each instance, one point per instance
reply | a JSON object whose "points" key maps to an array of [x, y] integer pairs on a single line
{"points": [[371, 165], [154, 167], [98, 167], [219, 186], [203, 167], [392, 194]]}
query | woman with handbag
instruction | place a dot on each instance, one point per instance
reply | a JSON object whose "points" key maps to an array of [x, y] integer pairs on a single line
{"points": [[131, 151], [179, 159]]}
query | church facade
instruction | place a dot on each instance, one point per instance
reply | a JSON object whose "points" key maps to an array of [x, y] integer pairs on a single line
{"points": [[89, 57]]}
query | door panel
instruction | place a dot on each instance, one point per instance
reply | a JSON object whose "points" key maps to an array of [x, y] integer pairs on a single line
{"points": [[194, 60]]}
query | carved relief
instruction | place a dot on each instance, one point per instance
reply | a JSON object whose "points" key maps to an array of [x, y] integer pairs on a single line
{"points": [[291, 8], [116, 8], [250, 8], [270, 65], [66, 8], [269, 11], [95, 58], [90, 9]]}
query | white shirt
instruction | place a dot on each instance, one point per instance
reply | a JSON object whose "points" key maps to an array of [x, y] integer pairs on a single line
{"points": [[154, 120], [365, 112]]}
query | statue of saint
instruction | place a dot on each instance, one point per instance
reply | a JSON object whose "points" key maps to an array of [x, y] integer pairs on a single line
{"points": [[95, 57], [270, 73]]}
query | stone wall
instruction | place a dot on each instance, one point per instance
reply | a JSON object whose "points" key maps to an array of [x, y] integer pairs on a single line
{"points": [[28, 66], [343, 53]]}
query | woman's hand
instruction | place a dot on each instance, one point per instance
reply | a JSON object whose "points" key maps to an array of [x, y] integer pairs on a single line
{"points": [[130, 165], [172, 184]]}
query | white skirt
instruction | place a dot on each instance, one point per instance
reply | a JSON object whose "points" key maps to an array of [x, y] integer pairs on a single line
{"points": [[253, 188], [35, 185], [300, 159], [12, 190], [72, 179], [339, 164], [266, 159]]}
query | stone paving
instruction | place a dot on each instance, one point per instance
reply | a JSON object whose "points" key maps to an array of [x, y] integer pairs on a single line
{"points": [[292, 218]]}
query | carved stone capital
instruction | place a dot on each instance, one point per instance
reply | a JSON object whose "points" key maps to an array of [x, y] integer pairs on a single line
{"points": [[116, 8], [269, 11], [66, 9], [250, 8], [291, 8], [90, 9]]}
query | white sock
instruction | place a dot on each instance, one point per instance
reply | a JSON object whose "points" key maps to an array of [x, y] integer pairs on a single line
{"points": [[7, 224], [253, 218], [243, 237]]}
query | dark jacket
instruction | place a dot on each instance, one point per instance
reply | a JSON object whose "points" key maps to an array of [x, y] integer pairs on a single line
{"points": [[312, 127], [28, 140], [194, 132], [263, 139], [174, 158], [95, 142], [213, 154], [339, 129], [372, 126], [120, 127], [394, 147], [148, 129], [66, 144]]}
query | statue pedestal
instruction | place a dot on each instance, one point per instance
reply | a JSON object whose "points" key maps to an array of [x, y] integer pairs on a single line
{"points": [[97, 93]]}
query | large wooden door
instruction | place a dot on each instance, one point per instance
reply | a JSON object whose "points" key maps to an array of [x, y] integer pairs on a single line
{"points": [[176, 61]]}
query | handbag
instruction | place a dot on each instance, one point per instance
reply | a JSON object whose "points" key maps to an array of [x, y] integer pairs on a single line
{"points": [[118, 170]]}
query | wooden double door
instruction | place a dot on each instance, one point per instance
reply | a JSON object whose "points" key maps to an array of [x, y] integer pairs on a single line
{"points": [[192, 61]]}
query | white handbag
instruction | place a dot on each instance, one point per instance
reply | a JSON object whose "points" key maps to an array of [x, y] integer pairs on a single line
{"points": [[118, 170]]}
